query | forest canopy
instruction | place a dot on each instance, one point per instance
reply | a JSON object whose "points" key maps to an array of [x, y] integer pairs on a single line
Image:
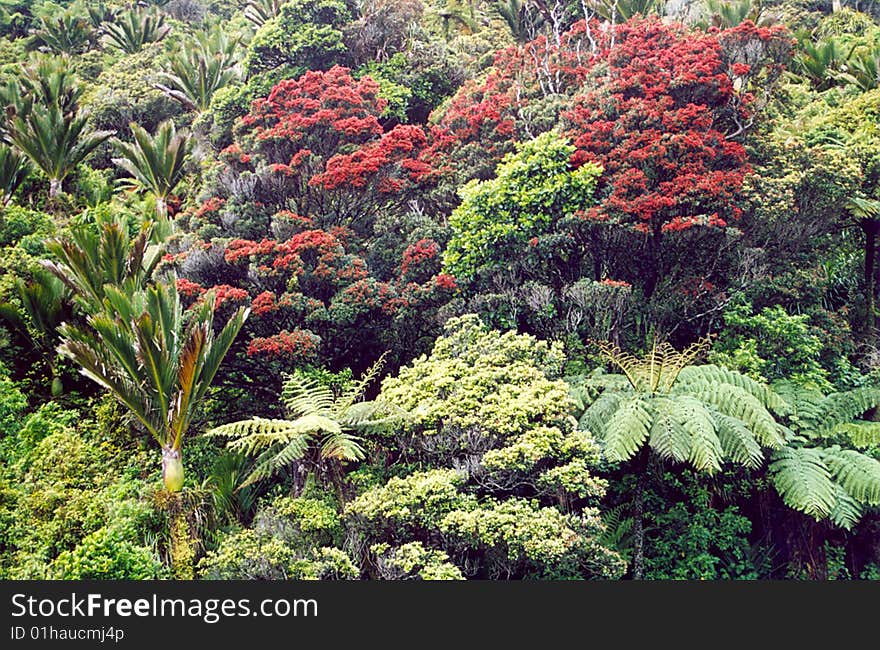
{"points": [[430, 289]]}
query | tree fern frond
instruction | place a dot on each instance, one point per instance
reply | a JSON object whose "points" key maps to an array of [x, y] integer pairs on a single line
{"points": [[658, 370], [705, 448], [803, 480], [627, 429], [669, 439], [861, 433], [342, 446], [804, 403], [303, 396], [858, 474], [372, 415], [736, 402], [694, 378], [847, 511], [838, 408], [737, 441], [357, 389], [596, 417]]}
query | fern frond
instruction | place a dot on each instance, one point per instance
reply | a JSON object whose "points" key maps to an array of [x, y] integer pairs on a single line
{"points": [[596, 417], [862, 434], [342, 446], [658, 371], [847, 511], [838, 408], [736, 402], [737, 441], [858, 474], [357, 389], [694, 378], [803, 480], [705, 448], [304, 396], [627, 429], [804, 403], [669, 439], [373, 415]]}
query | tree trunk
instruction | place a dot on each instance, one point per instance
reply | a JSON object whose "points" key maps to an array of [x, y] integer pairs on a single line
{"points": [[54, 187], [161, 209], [836, 5], [640, 467], [871, 228], [652, 274], [172, 469]]}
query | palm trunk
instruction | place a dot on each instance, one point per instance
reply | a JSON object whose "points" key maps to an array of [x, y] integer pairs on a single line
{"points": [[161, 209], [172, 469], [640, 467], [54, 187]]}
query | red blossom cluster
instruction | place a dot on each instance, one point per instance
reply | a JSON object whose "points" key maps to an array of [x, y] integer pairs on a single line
{"points": [[615, 284], [300, 346], [189, 288], [316, 141], [417, 256], [226, 293], [214, 204]]}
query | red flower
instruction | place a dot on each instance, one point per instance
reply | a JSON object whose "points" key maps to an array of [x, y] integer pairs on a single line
{"points": [[299, 345], [189, 288]]}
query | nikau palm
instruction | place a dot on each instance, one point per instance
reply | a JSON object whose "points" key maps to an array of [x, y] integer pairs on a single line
{"points": [[129, 32], [14, 169], [154, 163], [154, 361], [199, 70], [56, 141], [66, 33], [138, 342]]}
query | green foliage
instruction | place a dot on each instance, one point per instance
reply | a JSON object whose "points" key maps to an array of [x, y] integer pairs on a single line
{"points": [[155, 163], [305, 35], [130, 31], [412, 561], [694, 535], [770, 345], [291, 539], [489, 419], [316, 413], [125, 92], [201, 68], [107, 555], [533, 188]]}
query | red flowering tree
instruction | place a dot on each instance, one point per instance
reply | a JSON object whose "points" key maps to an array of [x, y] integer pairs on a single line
{"points": [[314, 302], [315, 146]]}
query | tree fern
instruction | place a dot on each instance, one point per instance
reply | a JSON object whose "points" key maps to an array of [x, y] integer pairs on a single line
{"points": [[803, 480], [627, 429], [320, 429], [694, 377], [858, 474]]}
